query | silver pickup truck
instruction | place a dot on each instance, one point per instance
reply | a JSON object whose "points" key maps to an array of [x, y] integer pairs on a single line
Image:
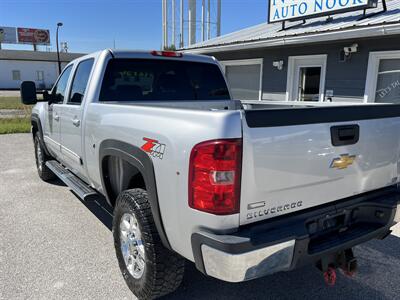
{"points": [[242, 189]]}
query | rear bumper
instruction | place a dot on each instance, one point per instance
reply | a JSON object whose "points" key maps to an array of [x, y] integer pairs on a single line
{"points": [[287, 242]]}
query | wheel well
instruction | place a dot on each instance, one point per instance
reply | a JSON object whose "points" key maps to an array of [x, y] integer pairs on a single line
{"points": [[119, 175], [34, 128]]}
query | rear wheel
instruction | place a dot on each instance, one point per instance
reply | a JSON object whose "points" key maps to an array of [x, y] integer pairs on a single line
{"points": [[44, 172], [149, 269]]}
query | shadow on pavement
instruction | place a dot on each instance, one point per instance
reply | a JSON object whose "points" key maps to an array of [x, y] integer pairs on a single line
{"points": [[57, 182], [100, 208], [378, 276]]}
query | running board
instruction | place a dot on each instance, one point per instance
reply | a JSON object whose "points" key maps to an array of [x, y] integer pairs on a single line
{"points": [[74, 183]]}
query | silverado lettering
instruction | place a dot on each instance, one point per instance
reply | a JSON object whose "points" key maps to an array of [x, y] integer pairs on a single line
{"points": [[273, 210]]}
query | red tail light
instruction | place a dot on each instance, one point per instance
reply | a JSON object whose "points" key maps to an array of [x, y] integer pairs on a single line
{"points": [[214, 176], [166, 53]]}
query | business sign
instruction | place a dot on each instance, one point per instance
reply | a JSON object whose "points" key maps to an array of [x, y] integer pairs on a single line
{"points": [[33, 36], [284, 10], [8, 35]]}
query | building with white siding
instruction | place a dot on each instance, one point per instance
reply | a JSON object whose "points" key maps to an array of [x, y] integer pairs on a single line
{"points": [[41, 67]]}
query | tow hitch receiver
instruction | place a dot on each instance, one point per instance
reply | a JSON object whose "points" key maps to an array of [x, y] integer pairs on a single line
{"points": [[344, 260]]}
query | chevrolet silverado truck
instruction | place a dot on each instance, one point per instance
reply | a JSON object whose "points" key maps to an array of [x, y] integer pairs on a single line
{"points": [[242, 189]]}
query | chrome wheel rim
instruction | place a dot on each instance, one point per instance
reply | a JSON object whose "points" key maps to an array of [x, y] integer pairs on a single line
{"points": [[39, 157], [132, 245]]}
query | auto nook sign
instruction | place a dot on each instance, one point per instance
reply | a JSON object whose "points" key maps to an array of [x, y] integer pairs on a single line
{"points": [[285, 10]]}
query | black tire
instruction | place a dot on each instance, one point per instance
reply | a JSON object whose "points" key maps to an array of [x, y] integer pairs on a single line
{"points": [[164, 269], [44, 172]]}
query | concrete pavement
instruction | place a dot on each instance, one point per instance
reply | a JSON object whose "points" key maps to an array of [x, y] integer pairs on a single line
{"points": [[53, 246]]}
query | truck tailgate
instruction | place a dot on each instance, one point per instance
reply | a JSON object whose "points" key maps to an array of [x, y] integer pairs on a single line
{"points": [[298, 158]]}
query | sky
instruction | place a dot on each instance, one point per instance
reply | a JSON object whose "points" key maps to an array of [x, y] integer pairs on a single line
{"points": [[91, 25]]}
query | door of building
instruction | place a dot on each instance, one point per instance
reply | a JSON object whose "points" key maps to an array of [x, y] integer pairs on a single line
{"points": [[306, 78]]}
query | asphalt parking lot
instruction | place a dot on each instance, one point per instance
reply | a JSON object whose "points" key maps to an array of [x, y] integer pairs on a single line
{"points": [[53, 245]]}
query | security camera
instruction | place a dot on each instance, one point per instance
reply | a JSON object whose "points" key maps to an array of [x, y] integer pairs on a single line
{"points": [[278, 64], [352, 49]]}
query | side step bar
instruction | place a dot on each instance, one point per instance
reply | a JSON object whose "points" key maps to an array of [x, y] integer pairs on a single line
{"points": [[74, 183]]}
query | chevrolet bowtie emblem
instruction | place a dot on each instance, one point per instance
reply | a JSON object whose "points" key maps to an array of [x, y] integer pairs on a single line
{"points": [[343, 161]]}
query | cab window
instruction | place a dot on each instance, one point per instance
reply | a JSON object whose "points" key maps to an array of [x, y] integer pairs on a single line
{"points": [[61, 86], [80, 81]]}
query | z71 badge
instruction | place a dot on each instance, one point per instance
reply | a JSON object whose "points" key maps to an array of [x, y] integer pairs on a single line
{"points": [[154, 148]]}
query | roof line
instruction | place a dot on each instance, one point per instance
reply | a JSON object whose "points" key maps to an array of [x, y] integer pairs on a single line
{"points": [[383, 26]]}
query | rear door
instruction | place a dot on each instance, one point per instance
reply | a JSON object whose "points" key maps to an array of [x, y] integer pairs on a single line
{"points": [[71, 118], [300, 158], [52, 125]]}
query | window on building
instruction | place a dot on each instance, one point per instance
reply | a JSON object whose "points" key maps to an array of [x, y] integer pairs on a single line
{"points": [[388, 82], [81, 79], [383, 77], [244, 78], [40, 75], [16, 75]]}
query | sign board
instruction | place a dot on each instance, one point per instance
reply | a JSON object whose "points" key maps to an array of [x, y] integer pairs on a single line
{"points": [[33, 36], [8, 35], [285, 10]]}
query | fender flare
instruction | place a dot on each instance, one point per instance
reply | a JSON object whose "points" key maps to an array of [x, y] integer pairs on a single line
{"points": [[35, 119], [139, 159]]}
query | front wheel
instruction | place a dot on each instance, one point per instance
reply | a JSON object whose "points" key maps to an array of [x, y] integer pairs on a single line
{"points": [[44, 172], [149, 269]]}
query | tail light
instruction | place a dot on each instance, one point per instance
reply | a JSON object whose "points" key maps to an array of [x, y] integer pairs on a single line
{"points": [[166, 53], [214, 176]]}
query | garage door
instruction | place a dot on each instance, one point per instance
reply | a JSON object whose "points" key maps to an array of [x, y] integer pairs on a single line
{"points": [[244, 78]]}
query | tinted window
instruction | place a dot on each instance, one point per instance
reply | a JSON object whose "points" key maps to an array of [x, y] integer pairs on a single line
{"points": [[388, 84], [140, 79], [80, 81], [59, 89]]}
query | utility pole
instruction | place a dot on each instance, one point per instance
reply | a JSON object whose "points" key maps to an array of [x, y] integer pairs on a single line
{"points": [[58, 51], [203, 20], [173, 24], [182, 37], [208, 21], [164, 24], [192, 22], [218, 17]]}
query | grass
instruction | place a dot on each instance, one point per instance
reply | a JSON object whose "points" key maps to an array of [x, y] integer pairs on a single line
{"points": [[15, 125], [11, 103]]}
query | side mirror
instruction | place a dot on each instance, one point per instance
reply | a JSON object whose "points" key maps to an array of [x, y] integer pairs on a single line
{"points": [[46, 96], [28, 93]]}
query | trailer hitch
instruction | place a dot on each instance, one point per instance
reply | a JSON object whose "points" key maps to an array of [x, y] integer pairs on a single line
{"points": [[343, 260]]}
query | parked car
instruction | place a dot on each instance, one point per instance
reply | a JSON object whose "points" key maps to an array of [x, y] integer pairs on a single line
{"points": [[242, 189]]}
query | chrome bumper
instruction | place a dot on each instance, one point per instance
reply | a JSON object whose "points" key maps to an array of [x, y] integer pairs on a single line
{"points": [[245, 266], [299, 239]]}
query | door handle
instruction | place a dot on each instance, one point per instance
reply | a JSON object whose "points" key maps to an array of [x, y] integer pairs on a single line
{"points": [[56, 117], [76, 122], [345, 135]]}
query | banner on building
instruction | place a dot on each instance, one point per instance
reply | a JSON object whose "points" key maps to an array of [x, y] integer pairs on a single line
{"points": [[33, 36], [8, 35], [285, 10]]}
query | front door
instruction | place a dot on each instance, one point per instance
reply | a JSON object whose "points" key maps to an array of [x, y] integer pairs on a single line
{"points": [[52, 124], [71, 119], [306, 78]]}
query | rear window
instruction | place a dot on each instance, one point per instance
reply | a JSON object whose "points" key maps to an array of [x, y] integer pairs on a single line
{"points": [[153, 79]]}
